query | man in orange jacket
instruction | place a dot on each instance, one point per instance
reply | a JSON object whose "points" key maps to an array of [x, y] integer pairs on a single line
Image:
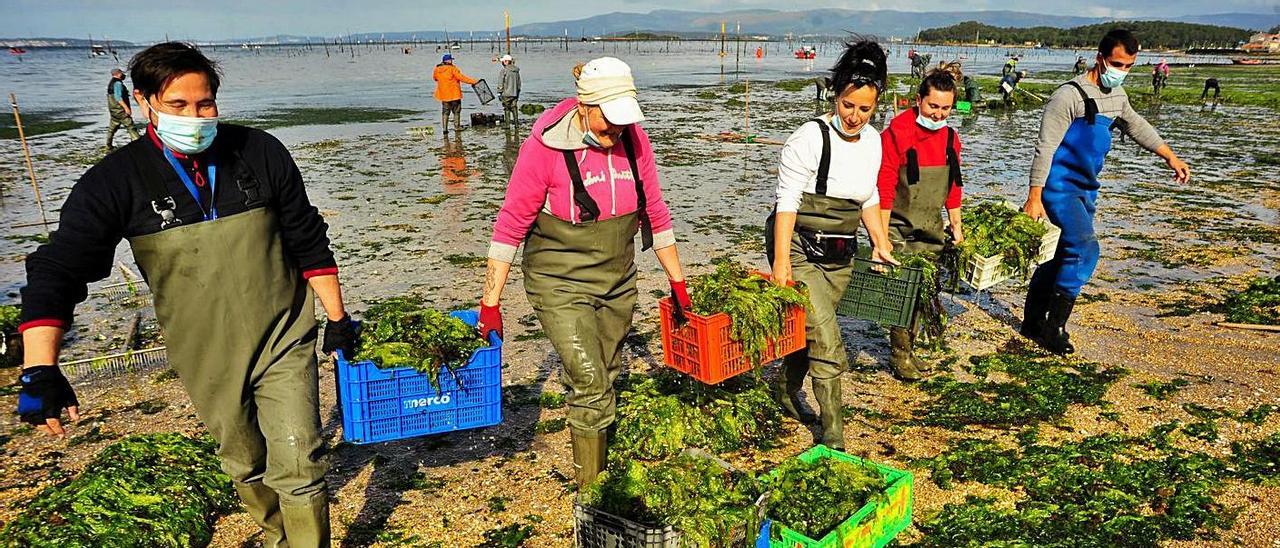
{"points": [[449, 91]]}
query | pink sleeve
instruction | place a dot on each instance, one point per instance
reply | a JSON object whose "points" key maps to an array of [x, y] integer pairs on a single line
{"points": [[659, 215], [526, 192]]}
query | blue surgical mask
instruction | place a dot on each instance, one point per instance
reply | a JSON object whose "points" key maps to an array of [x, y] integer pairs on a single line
{"points": [[1112, 78], [928, 123], [590, 140], [185, 134]]}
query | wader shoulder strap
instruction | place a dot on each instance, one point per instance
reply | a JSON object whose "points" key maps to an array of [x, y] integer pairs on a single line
{"points": [[953, 159], [642, 203], [913, 166], [824, 164], [255, 194], [588, 210], [1090, 106], [161, 200]]}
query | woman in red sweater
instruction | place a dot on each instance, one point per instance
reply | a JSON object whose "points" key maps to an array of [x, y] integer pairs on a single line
{"points": [[919, 177]]}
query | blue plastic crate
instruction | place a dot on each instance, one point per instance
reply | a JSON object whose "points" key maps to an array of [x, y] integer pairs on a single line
{"points": [[391, 404]]}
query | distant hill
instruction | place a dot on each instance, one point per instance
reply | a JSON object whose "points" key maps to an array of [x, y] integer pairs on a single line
{"points": [[1152, 34]]}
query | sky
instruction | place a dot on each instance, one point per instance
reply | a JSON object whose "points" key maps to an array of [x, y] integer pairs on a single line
{"points": [[151, 20]]}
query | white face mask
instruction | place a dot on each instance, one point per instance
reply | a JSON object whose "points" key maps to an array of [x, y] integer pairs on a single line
{"points": [[838, 123], [185, 134], [928, 123]]}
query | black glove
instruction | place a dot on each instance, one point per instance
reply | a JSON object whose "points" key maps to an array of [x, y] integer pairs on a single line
{"points": [[341, 335], [45, 393]]}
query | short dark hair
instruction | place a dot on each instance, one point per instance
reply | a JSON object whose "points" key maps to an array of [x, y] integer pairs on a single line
{"points": [[937, 80], [1118, 37], [153, 68], [862, 63]]}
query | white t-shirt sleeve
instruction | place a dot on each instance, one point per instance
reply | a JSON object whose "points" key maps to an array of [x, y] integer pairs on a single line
{"points": [[798, 165], [871, 141]]}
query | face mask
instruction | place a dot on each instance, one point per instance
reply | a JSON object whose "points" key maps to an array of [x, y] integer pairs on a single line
{"points": [[590, 140], [838, 123], [1113, 77], [929, 124], [185, 134]]}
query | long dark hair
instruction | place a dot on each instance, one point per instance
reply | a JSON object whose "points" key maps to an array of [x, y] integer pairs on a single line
{"points": [[862, 64]]}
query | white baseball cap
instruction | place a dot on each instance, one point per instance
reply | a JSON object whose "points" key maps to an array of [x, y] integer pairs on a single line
{"points": [[607, 82], [505, 57]]}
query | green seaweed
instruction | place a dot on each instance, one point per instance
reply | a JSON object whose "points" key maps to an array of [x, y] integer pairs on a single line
{"points": [[812, 498], [1163, 390], [1038, 389], [317, 116], [401, 332], [757, 307], [161, 490]]}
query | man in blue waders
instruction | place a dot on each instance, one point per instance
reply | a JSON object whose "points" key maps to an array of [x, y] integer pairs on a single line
{"points": [[1075, 136]]}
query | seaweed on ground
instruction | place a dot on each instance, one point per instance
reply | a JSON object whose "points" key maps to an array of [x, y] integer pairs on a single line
{"points": [[1038, 389], [1257, 304], [150, 490], [661, 415]]}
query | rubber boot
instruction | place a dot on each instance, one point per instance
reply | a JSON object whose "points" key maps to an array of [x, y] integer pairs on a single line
{"points": [[900, 355], [444, 121], [1035, 309], [831, 409], [1054, 337], [786, 388], [306, 522], [263, 504], [588, 456]]}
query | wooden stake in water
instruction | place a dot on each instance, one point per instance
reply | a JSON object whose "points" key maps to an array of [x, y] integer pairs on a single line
{"points": [[26, 152], [747, 88]]}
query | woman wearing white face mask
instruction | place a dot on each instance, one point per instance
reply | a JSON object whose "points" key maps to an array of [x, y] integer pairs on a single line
{"points": [[919, 177], [219, 222], [826, 186]]}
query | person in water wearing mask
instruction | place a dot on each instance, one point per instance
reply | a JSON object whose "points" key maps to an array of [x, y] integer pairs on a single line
{"points": [[219, 222], [826, 186], [585, 182], [509, 91], [919, 178], [1075, 136]]}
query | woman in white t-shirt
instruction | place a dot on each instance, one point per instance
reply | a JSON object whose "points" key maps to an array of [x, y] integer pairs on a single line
{"points": [[826, 186]]}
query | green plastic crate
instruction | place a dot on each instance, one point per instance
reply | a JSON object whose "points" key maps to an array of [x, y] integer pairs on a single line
{"points": [[881, 293], [874, 526]]}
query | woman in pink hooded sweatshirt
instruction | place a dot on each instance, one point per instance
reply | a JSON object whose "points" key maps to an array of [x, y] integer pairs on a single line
{"points": [[584, 184]]}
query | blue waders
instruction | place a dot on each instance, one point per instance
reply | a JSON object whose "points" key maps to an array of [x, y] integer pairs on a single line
{"points": [[1070, 200]]}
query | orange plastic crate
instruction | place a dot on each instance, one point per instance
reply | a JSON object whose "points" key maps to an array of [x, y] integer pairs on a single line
{"points": [[703, 348]]}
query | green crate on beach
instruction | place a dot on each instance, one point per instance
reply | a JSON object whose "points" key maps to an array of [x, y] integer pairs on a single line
{"points": [[875, 525], [881, 293]]}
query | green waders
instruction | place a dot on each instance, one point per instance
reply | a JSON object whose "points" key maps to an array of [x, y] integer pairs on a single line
{"points": [[916, 226], [118, 120], [581, 280], [824, 357], [240, 326]]}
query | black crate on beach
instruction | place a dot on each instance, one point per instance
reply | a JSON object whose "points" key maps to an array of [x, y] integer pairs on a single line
{"points": [[596, 529]]}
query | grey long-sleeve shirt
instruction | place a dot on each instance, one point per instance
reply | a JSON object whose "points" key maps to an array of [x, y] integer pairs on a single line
{"points": [[1065, 105]]}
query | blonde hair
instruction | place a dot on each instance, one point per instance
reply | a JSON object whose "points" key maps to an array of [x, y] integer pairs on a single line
{"points": [[577, 70]]}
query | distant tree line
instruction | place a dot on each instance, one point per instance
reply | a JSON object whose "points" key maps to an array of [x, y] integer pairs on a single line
{"points": [[1151, 34]]}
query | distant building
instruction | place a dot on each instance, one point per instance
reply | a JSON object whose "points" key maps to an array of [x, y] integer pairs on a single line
{"points": [[1263, 43]]}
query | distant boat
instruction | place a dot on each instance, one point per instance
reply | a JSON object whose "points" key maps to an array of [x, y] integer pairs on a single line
{"points": [[96, 50], [1243, 61], [16, 51]]}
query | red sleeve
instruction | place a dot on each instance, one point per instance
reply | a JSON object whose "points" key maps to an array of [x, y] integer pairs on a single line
{"points": [[890, 161], [42, 322], [330, 271], [953, 197]]}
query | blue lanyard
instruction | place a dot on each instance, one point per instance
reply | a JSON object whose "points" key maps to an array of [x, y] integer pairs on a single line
{"points": [[212, 213]]}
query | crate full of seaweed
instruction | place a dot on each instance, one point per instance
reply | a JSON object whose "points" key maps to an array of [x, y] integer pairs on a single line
{"points": [[739, 320], [827, 498], [419, 371], [1001, 243]]}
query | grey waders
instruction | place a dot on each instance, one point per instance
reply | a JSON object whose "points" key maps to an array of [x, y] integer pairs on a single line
{"points": [[824, 358], [581, 281], [240, 326], [915, 225]]}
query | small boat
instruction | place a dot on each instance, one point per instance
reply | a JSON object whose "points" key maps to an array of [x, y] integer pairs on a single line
{"points": [[96, 50], [16, 51], [806, 52], [1244, 61]]}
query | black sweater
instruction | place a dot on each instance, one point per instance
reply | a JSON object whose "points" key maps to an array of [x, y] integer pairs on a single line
{"points": [[111, 201]]}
